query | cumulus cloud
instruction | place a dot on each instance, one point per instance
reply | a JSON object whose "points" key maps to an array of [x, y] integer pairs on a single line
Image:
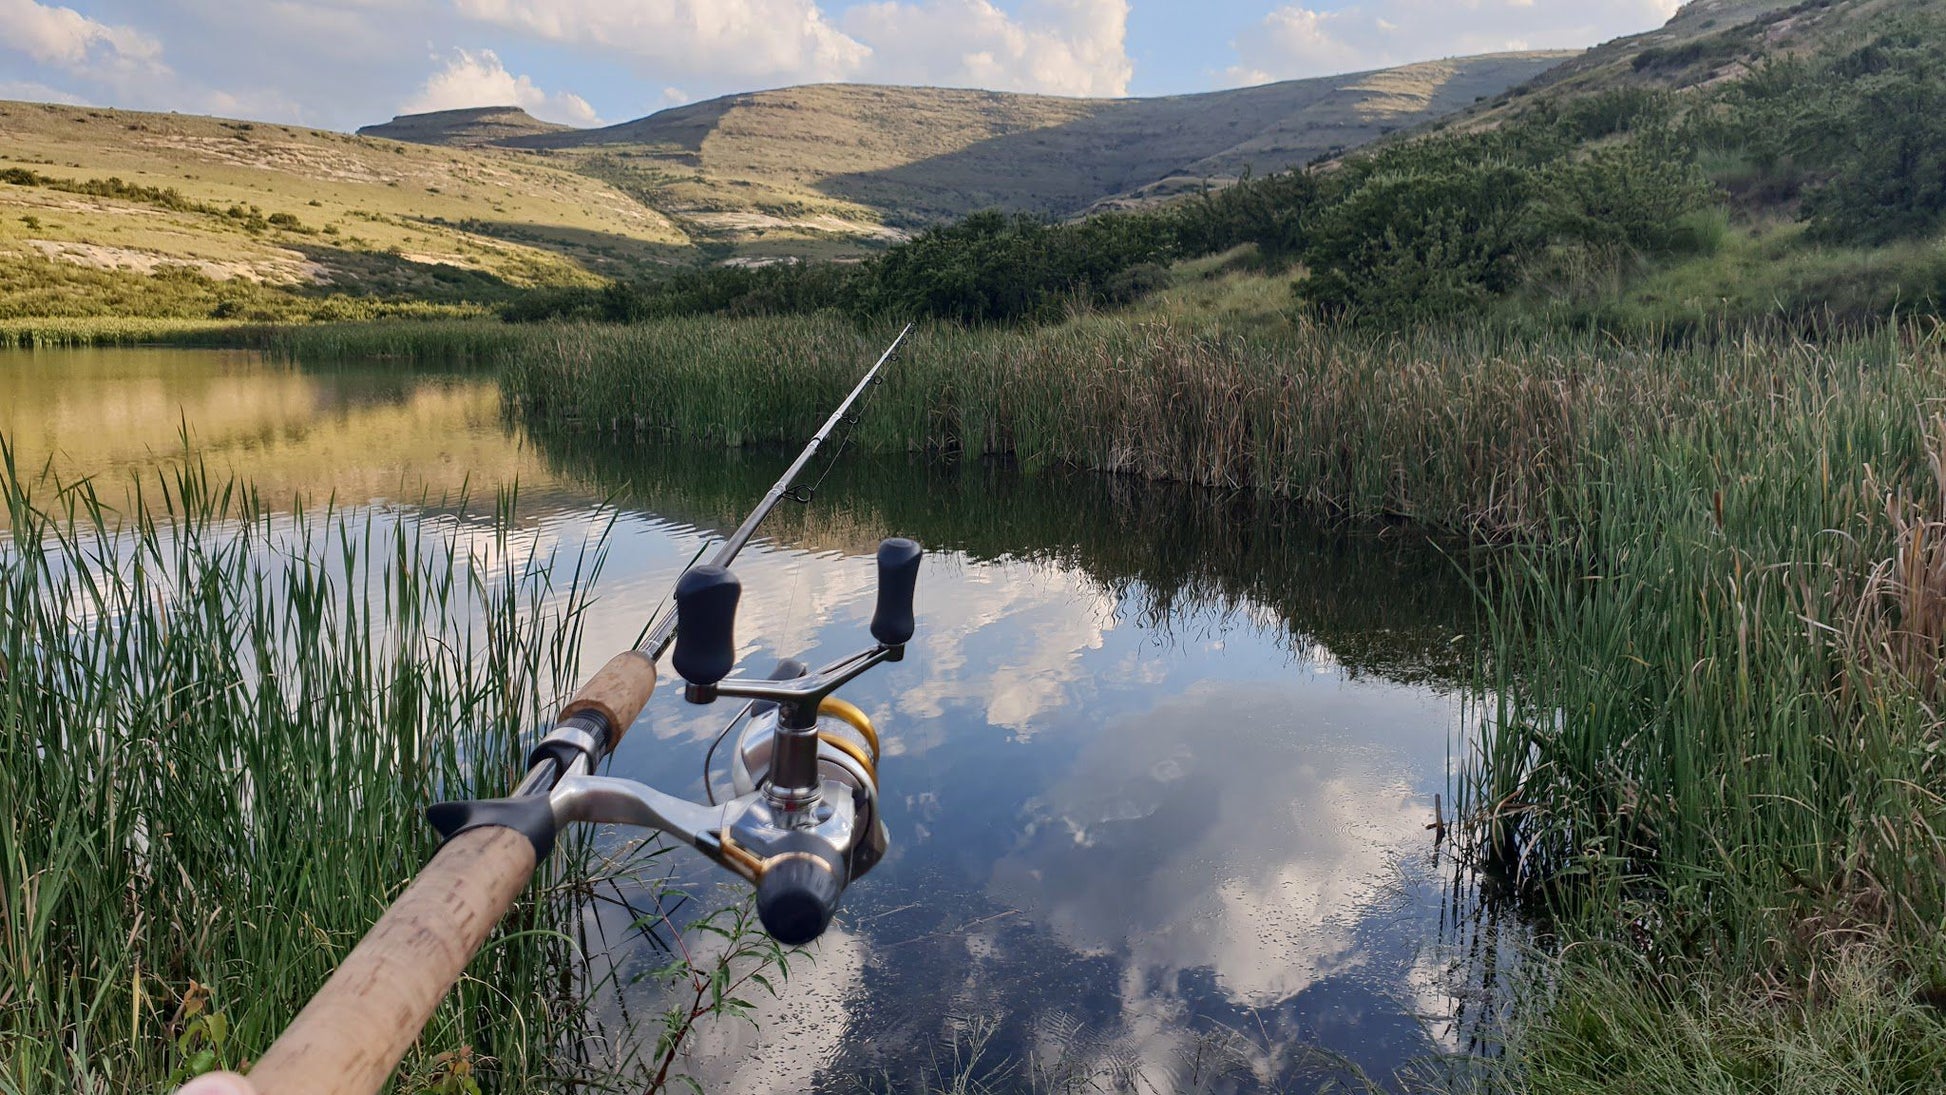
{"points": [[65, 37], [480, 79], [1296, 41], [1066, 47], [1061, 47], [748, 39]]}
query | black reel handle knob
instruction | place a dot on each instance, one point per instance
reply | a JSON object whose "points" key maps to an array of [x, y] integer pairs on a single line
{"points": [[798, 895], [898, 578], [706, 616]]}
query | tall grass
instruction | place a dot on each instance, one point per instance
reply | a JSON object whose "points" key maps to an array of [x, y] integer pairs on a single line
{"points": [[1713, 745], [1472, 430], [58, 331], [220, 729], [429, 341]]}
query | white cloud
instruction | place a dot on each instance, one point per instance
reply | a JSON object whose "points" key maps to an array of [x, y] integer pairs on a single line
{"points": [[479, 79], [1065, 47], [65, 37], [1061, 47], [1295, 41], [736, 39]]}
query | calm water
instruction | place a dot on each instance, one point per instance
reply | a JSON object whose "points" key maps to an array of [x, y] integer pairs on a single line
{"points": [[1159, 767]]}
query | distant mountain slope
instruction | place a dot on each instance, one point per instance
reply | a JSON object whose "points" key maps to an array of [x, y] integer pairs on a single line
{"points": [[464, 128], [440, 204], [910, 156]]}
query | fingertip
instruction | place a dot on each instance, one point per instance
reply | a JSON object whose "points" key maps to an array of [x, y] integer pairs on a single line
{"points": [[217, 1083]]}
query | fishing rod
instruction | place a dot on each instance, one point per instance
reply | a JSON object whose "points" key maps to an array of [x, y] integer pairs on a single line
{"points": [[803, 824]]}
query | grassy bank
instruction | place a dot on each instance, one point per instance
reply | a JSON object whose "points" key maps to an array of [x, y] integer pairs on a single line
{"points": [[56, 332], [1712, 758], [221, 728]]}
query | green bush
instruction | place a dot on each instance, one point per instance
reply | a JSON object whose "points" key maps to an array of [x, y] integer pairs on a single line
{"points": [[1422, 244], [1636, 195], [991, 267], [1272, 212]]}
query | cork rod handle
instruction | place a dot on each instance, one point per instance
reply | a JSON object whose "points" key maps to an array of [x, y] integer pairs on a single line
{"points": [[617, 693], [350, 1037]]}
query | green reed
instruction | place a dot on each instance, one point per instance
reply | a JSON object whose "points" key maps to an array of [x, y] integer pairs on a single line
{"points": [[221, 727], [1465, 431], [62, 332], [431, 341], [1712, 748]]}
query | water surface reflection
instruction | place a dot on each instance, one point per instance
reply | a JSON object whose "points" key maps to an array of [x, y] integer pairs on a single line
{"points": [[1158, 770], [1161, 772]]}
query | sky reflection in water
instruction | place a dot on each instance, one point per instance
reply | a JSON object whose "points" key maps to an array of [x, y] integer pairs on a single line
{"points": [[1133, 824]]}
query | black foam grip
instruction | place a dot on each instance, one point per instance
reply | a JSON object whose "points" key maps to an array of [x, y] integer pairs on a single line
{"points": [[798, 896], [898, 577], [706, 616]]}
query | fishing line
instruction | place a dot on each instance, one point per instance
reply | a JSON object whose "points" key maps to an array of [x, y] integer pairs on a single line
{"points": [[709, 792], [662, 606], [803, 495]]}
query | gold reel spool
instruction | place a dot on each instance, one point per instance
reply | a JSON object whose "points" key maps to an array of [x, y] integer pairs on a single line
{"points": [[849, 714]]}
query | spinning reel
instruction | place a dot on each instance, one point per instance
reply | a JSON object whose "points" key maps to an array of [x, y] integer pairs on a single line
{"points": [[805, 820]]}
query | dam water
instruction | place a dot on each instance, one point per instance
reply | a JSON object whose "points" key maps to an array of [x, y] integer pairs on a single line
{"points": [[1160, 766]]}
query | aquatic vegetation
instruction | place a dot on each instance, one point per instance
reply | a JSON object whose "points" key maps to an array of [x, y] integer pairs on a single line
{"points": [[433, 340], [221, 727], [46, 332]]}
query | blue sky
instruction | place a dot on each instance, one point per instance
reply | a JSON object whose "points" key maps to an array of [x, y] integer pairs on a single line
{"points": [[344, 63]]}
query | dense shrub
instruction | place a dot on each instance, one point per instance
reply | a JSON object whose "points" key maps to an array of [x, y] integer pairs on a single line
{"points": [[1422, 243], [1860, 131], [1272, 212], [991, 267]]}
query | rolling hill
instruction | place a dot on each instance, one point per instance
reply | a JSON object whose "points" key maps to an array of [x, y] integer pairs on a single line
{"points": [[829, 155], [124, 191], [466, 128], [461, 204], [97, 205]]}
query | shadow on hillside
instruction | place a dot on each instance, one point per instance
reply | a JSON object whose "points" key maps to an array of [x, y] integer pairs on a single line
{"points": [[1062, 169], [678, 130], [605, 252], [1128, 144], [396, 274]]}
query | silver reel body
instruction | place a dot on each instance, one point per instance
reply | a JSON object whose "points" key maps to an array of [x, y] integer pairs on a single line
{"points": [[847, 821]]}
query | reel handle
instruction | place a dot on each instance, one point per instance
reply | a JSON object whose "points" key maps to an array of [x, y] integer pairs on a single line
{"points": [[706, 616], [798, 893], [898, 579]]}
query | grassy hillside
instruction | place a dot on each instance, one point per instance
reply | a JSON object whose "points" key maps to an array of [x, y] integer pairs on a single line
{"points": [[1707, 44], [170, 218], [827, 154], [133, 214]]}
